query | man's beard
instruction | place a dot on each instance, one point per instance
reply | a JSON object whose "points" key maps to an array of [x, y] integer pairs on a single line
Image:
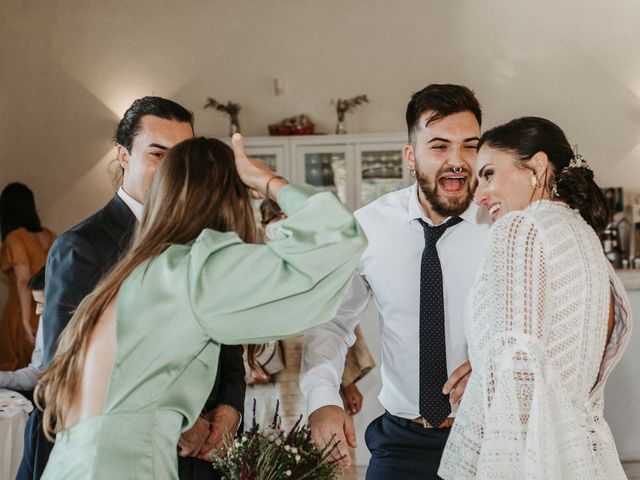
{"points": [[446, 206]]}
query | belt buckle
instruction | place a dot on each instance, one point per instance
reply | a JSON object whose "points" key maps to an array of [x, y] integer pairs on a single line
{"points": [[423, 422], [447, 422]]}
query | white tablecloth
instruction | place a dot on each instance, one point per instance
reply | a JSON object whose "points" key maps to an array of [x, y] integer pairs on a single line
{"points": [[14, 411]]}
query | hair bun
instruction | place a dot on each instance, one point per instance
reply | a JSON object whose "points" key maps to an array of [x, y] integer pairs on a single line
{"points": [[576, 187]]}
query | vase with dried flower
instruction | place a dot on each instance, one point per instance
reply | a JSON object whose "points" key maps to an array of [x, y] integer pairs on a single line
{"points": [[230, 108], [347, 105]]}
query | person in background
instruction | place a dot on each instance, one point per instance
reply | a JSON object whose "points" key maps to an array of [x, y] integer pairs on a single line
{"points": [[25, 244], [140, 355], [547, 319], [82, 256], [24, 380]]}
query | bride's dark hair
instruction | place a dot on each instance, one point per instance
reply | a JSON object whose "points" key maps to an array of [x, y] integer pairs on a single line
{"points": [[526, 136]]}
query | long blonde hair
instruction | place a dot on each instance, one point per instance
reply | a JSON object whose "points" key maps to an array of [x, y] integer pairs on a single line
{"points": [[196, 186]]}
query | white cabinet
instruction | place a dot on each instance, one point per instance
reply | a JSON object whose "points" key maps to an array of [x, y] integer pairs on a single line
{"points": [[326, 167], [357, 168], [381, 169], [271, 150]]}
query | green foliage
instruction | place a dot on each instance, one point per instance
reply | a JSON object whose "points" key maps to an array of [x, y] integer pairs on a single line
{"points": [[230, 108], [347, 105]]}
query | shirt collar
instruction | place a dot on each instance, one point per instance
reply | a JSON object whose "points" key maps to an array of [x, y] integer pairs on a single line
{"points": [[474, 214], [136, 207]]}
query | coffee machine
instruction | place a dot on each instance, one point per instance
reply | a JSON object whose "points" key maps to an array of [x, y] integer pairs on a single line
{"points": [[611, 244], [635, 233], [614, 242]]}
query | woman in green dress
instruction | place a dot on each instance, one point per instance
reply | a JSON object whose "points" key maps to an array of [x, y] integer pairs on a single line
{"points": [[136, 363]]}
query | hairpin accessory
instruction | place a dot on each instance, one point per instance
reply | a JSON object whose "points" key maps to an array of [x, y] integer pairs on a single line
{"points": [[577, 161]]}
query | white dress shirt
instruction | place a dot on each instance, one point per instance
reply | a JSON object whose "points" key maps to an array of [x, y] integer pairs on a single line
{"points": [[136, 207], [389, 272], [27, 377]]}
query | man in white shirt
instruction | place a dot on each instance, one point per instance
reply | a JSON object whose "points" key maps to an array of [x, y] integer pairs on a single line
{"points": [[419, 287], [24, 380]]}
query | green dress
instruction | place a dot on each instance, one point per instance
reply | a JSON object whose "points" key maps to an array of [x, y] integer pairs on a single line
{"points": [[174, 311]]}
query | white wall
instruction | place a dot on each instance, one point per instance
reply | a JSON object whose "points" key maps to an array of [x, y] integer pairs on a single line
{"points": [[69, 69]]}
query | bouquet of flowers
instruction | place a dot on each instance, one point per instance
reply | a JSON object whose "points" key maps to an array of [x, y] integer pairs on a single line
{"points": [[267, 452]]}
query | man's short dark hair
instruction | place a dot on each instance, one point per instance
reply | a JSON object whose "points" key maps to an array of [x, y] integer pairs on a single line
{"points": [[443, 100], [157, 106], [130, 124], [37, 281]]}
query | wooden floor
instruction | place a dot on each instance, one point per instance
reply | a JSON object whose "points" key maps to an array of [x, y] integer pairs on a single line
{"points": [[631, 468]]}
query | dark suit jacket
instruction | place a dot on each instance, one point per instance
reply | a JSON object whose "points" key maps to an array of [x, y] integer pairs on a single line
{"points": [[76, 262]]}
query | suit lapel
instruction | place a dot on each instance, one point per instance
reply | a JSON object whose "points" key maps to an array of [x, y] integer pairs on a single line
{"points": [[120, 222]]}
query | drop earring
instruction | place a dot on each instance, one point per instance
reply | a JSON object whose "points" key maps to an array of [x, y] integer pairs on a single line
{"points": [[534, 181]]}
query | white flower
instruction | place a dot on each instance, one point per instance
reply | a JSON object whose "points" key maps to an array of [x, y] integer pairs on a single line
{"points": [[288, 473], [298, 457], [294, 450], [287, 448], [278, 442]]}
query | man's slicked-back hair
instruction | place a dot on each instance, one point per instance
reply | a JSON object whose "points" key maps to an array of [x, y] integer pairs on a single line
{"points": [[157, 106], [442, 100], [129, 126]]}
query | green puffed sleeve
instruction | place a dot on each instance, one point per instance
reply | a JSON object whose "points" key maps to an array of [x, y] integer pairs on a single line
{"points": [[245, 293]]}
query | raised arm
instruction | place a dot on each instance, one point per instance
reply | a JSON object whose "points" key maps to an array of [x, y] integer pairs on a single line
{"points": [[263, 292]]}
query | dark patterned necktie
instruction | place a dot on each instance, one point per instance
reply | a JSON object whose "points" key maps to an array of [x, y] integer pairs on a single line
{"points": [[434, 405]]}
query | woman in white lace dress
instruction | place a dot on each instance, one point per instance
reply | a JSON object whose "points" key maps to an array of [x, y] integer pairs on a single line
{"points": [[546, 321]]}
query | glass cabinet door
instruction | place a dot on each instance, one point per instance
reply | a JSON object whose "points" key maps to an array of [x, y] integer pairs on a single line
{"points": [[381, 171], [269, 159], [274, 156], [326, 168]]}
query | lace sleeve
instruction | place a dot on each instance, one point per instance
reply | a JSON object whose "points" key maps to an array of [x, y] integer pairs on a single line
{"points": [[525, 415], [516, 270]]}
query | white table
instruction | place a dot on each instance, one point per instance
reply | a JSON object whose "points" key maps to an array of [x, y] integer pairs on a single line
{"points": [[14, 411]]}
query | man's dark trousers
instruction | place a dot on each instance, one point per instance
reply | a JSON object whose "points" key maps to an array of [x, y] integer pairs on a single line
{"points": [[403, 449]]}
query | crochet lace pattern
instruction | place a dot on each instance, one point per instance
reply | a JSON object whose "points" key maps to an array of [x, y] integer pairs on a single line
{"points": [[536, 326]]}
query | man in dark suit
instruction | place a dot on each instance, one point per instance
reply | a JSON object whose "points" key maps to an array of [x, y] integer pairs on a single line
{"points": [[80, 257]]}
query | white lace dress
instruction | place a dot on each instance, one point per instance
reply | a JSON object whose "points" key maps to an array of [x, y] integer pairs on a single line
{"points": [[536, 325]]}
